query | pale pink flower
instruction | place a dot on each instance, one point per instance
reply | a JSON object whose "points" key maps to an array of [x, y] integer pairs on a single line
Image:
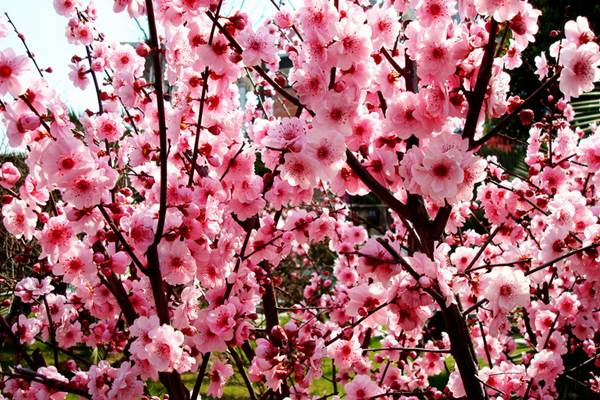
{"points": [[404, 116], [300, 170], [79, 75], [288, 134], [86, 189], [501, 10], [505, 288], [435, 58], [140, 329], [69, 334], [56, 238], [126, 384], [345, 352], [433, 11], [219, 375], [328, 151], [353, 44], [65, 159], [545, 366], [221, 321], [590, 150], [541, 65], [364, 298], [258, 46], [107, 126], [361, 388], [578, 32], [283, 19], [135, 8], [12, 68], [176, 262], [66, 8], [439, 175], [384, 27], [580, 69], [26, 329], [76, 265], [164, 350], [30, 289]]}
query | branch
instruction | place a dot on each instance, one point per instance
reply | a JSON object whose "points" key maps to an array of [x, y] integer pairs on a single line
{"points": [[121, 238], [557, 259], [240, 367], [416, 349], [172, 381], [4, 325], [22, 38], [507, 118], [238, 49], [379, 190], [483, 78], [205, 76], [31, 376], [162, 126], [200, 377]]}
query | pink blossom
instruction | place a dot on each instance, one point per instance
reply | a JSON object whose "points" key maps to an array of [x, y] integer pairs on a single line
{"points": [[108, 127], [353, 44], [176, 262], [300, 170], [126, 384], [580, 69], [361, 388], [506, 288], [545, 366], [57, 237], [578, 32], [26, 329], [76, 264], [221, 321], [439, 175], [66, 8], [19, 219], [258, 46], [434, 11], [12, 69], [9, 175], [218, 375], [384, 27], [164, 350], [541, 65], [345, 353], [288, 134], [501, 10], [79, 75]]}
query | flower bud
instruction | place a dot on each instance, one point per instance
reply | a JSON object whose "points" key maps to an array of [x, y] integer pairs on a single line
{"points": [[142, 50], [526, 116], [29, 122]]}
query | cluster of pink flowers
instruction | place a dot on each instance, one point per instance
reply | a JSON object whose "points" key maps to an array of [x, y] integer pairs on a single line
{"points": [[171, 227]]}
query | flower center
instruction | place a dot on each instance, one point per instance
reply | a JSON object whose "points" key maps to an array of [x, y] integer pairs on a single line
{"points": [[5, 71], [505, 290], [441, 170], [581, 69], [67, 163]]}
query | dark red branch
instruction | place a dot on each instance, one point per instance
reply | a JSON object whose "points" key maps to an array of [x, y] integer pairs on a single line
{"points": [[509, 117], [481, 85]]}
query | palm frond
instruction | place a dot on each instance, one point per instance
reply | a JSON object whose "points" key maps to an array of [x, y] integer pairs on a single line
{"points": [[587, 109]]}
